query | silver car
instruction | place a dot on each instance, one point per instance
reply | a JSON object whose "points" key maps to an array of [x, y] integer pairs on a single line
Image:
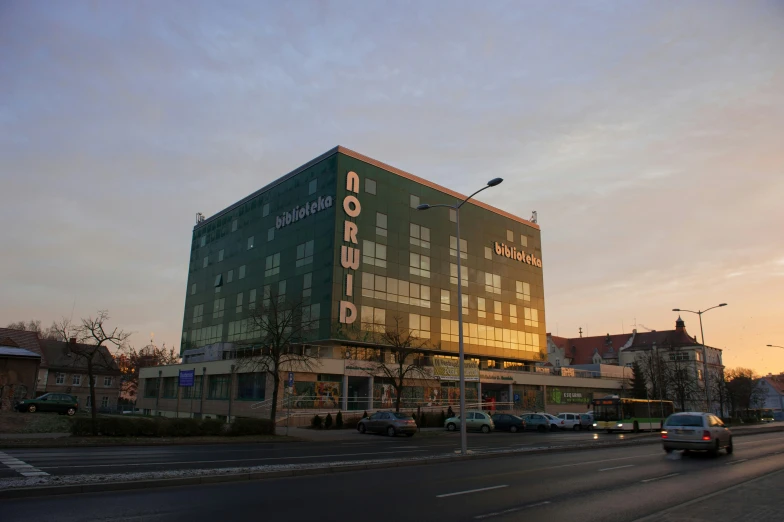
{"points": [[696, 431]]}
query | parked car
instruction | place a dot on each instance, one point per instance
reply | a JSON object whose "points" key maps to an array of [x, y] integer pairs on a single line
{"points": [[507, 422], [536, 421], [555, 422], [475, 420], [389, 422], [695, 431], [571, 420], [53, 402], [586, 421]]}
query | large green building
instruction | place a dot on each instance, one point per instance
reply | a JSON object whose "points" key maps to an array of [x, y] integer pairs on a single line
{"points": [[342, 235]]}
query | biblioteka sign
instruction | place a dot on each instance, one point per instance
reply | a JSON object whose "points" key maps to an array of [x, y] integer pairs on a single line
{"points": [[512, 253], [301, 212]]}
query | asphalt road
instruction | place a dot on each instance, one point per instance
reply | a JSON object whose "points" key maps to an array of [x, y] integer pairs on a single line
{"points": [[612, 484], [75, 461]]}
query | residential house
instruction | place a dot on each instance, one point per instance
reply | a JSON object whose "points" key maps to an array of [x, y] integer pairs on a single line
{"points": [[601, 349], [18, 373], [773, 392]]}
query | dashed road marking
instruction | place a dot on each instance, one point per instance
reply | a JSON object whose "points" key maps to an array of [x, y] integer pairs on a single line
{"points": [[618, 467], [660, 478], [444, 495], [736, 462], [21, 467], [510, 510]]}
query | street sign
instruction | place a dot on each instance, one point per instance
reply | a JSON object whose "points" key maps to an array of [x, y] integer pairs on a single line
{"points": [[187, 377], [291, 379], [517, 397]]}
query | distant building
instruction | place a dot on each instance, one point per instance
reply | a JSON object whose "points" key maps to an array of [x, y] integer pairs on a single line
{"points": [[18, 373], [601, 349], [773, 389]]}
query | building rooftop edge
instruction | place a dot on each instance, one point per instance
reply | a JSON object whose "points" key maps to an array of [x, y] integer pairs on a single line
{"points": [[348, 152]]}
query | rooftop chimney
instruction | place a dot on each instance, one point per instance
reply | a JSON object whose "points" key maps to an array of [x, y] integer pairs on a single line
{"points": [[72, 341]]}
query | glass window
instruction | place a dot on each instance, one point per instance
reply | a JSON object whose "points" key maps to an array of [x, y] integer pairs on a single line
{"points": [[282, 291], [523, 291], [419, 235], [488, 253], [203, 241], [272, 265], [370, 186], [480, 306], [267, 292], [220, 255], [305, 253], [419, 325], [497, 315], [307, 285], [381, 224], [453, 247], [270, 233], [373, 319], [531, 316], [76, 379], [198, 313], [453, 275], [229, 276], [419, 265], [218, 280], [206, 262], [524, 240], [241, 274], [374, 254], [234, 226], [193, 288], [239, 303], [107, 381], [445, 300], [60, 378], [217, 308], [452, 215], [250, 242], [513, 314], [394, 290], [252, 299], [465, 303], [310, 316], [151, 387], [312, 187], [510, 236], [413, 201], [105, 402], [169, 390], [265, 210], [492, 283], [251, 386], [218, 386]]}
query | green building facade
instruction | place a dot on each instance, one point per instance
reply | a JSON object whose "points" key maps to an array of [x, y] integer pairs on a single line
{"points": [[342, 236]]}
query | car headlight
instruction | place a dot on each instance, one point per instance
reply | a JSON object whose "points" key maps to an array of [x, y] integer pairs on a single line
{"points": [[594, 424]]}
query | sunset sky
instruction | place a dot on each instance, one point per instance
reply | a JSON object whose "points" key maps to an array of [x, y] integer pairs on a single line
{"points": [[649, 136]]}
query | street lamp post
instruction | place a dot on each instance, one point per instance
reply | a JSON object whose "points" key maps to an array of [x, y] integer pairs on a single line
{"points": [[704, 353], [461, 363]]}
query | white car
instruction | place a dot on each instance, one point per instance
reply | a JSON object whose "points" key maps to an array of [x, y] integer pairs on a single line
{"points": [[571, 421], [555, 422], [696, 431]]}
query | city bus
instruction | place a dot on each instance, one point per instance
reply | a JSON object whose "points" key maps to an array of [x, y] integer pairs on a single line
{"points": [[616, 414]]}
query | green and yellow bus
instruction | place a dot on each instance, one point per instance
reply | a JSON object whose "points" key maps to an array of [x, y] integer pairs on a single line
{"points": [[616, 414]]}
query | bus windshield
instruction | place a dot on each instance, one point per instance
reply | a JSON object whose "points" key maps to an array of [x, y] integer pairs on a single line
{"points": [[606, 412]]}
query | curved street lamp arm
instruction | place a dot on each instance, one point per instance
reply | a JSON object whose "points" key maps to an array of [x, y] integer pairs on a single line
{"points": [[440, 205], [690, 311], [712, 307], [469, 197]]}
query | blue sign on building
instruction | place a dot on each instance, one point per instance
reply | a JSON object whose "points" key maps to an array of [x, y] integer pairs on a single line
{"points": [[187, 377], [291, 379], [516, 397]]}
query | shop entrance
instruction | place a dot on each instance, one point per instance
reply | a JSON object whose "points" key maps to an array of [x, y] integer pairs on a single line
{"points": [[358, 393], [495, 397]]}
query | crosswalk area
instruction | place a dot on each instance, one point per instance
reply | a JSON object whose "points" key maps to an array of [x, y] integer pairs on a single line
{"points": [[19, 466]]}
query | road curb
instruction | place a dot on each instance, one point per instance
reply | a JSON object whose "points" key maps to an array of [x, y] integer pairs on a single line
{"points": [[70, 489]]}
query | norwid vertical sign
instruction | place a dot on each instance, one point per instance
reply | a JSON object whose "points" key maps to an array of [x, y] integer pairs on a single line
{"points": [[349, 251]]}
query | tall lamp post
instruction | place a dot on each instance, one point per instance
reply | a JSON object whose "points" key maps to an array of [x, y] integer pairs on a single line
{"points": [[704, 357], [456, 207]]}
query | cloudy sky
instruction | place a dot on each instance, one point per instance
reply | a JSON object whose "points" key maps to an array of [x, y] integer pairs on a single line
{"points": [[649, 136]]}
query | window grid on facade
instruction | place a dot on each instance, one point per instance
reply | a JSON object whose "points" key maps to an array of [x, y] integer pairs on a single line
{"points": [[419, 235], [59, 378], [251, 241], [413, 201], [395, 290], [453, 275], [445, 300], [465, 304], [206, 335], [203, 241], [513, 314], [492, 283], [107, 382], [452, 215], [374, 254], [218, 386], [497, 313], [524, 240], [510, 236], [304, 253], [229, 276], [205, 262], [522, 291], [193, 288], [453, 247], [241, 274], [234, 226], [381, 224], [307, 285], [76, 380], [419, 265], [310, 316], [373, 319], [243, 330], [272, 265], [105, 402], [220, 255], [370, 186], [531, 316], [480, 307], [198, 313], [265, 210], [488, 253], [270, 233], [484, 335], [217, 308], [251, 386], [419, 325], [312, 186], [238, 309], [252, 299]]}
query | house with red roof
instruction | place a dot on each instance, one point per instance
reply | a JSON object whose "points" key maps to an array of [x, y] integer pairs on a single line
{"points": [[600, 349], [773, 389]]}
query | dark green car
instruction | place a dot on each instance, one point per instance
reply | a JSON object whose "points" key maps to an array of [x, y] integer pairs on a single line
{"points": [[54, 402]]}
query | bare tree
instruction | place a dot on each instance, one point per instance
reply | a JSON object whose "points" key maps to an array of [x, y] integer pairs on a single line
{"points": [[34, 325], [132, 361], [94, 339], [682, 380], [405, 357], [277, 333], [719, 392], [743, 390], [656, 373]]}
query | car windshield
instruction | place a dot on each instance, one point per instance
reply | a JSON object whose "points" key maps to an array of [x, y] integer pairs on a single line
{"points": [[684, 420], [402, 416]]}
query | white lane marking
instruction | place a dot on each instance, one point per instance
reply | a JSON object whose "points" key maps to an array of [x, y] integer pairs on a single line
{"points": [[736, 462], [123, 464], [21, 467], [510, 510], [660, 478], [618, 467], [444, 495]]}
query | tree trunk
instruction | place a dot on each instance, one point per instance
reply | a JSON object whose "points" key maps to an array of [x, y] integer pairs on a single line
{"points": [[398, 398], [274, 407], [93, 414]]}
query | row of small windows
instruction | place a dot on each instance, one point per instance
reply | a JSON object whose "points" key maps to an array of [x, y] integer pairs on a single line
{"points": [[76, 380], [394, 290], [483, 335]]}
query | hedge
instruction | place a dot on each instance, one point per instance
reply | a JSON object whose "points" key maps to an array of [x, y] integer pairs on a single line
{"points": [[164, 427]]}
